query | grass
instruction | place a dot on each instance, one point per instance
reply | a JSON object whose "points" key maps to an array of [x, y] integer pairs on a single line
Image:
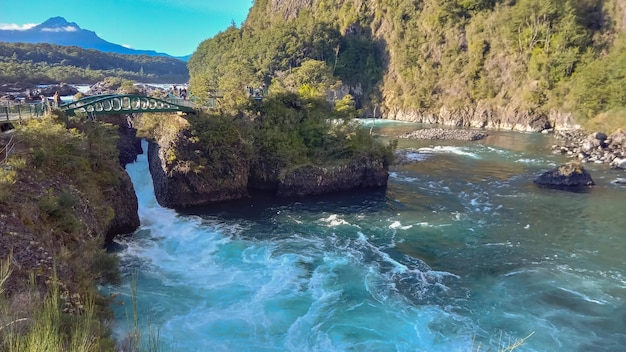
{"points": [[134, 341], [607, 122], [53, 179], [47, 327]]}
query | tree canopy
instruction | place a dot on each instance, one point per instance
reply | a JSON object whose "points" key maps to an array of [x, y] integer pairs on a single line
{"points": [[531, 55]]}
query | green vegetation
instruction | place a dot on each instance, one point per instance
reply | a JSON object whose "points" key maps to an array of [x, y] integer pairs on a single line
{"points": [[41, 324], [49, 63], [55, 206], [296, 130], [532, 56], [282, 131]]}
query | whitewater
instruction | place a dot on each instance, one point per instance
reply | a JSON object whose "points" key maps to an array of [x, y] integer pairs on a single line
{"points": [[461, 252]]}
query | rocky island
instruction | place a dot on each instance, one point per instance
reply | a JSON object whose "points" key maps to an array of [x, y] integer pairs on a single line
{"points": [[203, 159]]}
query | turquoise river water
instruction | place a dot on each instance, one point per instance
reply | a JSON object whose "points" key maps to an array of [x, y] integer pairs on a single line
{"points": [[461, 252]]}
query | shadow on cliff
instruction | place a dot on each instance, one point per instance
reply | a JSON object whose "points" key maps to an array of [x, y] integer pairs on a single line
{"points": [[261, 205]]}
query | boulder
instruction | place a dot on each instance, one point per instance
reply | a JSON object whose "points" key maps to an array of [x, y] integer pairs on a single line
{"points": [[63, 90], [601, 136], [593, 141], [570, 175], [540, 124], [618, 137], [619, 163]]}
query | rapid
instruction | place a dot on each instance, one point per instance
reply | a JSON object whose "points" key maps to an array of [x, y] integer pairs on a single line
{"points": [[461, 252]]}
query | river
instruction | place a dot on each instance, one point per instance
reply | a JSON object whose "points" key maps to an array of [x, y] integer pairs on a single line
{"points": [[461, 252]]}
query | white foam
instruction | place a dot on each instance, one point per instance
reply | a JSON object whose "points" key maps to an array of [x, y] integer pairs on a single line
{"points": [[449, 150], [398, 225], [333, 220], [402, 178]]}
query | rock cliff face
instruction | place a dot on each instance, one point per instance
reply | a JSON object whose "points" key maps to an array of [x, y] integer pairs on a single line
{"points": [[128, 145], [314, 180], [123, 198], [505, 118], [176, 185]]}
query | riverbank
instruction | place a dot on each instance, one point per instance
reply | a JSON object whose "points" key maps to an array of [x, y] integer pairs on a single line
{"points": [[597, 147], [63, 194]]}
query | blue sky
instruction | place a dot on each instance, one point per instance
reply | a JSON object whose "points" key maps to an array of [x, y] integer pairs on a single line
{"points": [[175, 27]]}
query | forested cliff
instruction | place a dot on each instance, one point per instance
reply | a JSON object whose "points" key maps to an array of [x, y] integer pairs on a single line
{"points": [[484, 63]]}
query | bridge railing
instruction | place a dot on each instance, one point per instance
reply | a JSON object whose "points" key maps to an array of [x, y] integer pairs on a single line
{"points": [[179, 101], [15, 112]]}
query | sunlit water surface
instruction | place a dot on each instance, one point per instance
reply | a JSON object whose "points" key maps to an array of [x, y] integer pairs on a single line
{"points": [[461, 252]]}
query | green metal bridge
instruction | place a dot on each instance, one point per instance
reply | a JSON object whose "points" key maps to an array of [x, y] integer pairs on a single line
{"points": [[97, 105], [125, 104]]}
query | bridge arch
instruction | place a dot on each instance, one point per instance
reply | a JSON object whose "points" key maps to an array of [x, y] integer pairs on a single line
{"points": [[125, 104]]}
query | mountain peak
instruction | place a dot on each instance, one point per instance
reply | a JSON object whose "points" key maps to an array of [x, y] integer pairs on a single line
{"points": [[57, 30], [57, 23]]}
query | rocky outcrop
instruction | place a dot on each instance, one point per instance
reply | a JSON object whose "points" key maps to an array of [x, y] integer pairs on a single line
{"points": [[123, 200], [63, 89], [570, 175], [443, 133], [104, 87], [128, 144], [179, 182], [488, 117], [314, 180], [596, 147], [183, 183]]}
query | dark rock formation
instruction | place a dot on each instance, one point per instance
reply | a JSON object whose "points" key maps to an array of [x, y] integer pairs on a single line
{"points": [[443, 133], [63, 89], [123, 200], [264, 175], [313, 180], [128, 145], [180, 182], [570, 175], [178, 185]]}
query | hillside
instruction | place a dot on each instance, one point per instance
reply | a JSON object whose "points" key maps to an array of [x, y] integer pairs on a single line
{"points": [[481, 63], [49, 63]]}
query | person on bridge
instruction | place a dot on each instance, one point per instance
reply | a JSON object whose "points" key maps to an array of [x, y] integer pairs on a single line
{"points": [[57, 99]]}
